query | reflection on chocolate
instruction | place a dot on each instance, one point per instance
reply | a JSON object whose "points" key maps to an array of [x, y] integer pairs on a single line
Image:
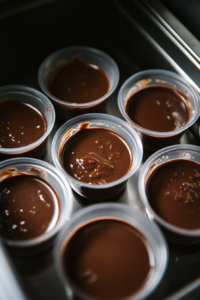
{"points": [[29, 207], [96, 156], [78, 82], [173, 190], [21, 124], [159, 108], [107, 259]]}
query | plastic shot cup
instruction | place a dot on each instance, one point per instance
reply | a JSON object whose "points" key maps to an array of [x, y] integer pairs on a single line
{"points": [[111, 211], [173, 233], [41, 102], [48, 173], [155, 140], [66, 110], [67, 130]]}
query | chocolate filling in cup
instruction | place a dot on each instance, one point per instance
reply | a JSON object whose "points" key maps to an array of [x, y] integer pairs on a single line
{"points": [[26, 120], [160, 105], [110, 251], [96, 156], [169, 186], [78, 80], [35, 202], [29, 207], [97, 153]]}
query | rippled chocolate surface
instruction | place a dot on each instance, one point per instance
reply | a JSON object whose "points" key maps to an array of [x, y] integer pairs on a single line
{"points": [[173, 191], [158, 108], [107, 259], [21, 124], [97, 156], [78, 82], [29, 207]]}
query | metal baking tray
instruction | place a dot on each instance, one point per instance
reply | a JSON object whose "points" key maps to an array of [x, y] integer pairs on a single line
{"points": [[29, 34], [9, 287]]}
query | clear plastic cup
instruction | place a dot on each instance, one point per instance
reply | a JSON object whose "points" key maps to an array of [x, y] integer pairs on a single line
{"points": [[128, 215], [173, 233], [94, 191], [37, 99], [154, 140], [66, 110], [54, 178]]}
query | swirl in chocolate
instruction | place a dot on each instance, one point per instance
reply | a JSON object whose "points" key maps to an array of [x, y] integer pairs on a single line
{"points": [[96, 156]]}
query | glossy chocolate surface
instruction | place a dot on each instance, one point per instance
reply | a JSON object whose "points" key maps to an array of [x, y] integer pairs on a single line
{"points": [[96, 156], [158, 108], [21, 124], [107, 259], [29, 207], [173, 190], [78, 82]]}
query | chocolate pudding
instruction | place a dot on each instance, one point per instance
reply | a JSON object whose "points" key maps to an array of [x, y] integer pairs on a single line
{"points": [[29, 207], [173, 191], [78, 82], [96, 156], [21, 124], [159, 108], [107, 259]]}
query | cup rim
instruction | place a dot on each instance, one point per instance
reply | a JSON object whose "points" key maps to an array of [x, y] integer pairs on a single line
{"points": [[171, 75], [99, 118], [37, 94], [143, 196], [91, 50], [48, 168], [107, 209]]}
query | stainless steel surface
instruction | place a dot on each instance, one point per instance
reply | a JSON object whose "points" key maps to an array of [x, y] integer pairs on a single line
{"points": [[177, 29], [9, 286], [162, 39], [189, 292], [33, 35], [166, 39]]}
